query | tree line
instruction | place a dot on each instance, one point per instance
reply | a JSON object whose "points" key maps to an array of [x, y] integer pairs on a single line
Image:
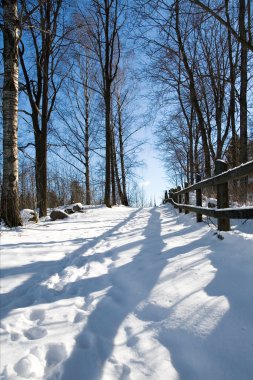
{"points": [[68, 83], [200, 57]]}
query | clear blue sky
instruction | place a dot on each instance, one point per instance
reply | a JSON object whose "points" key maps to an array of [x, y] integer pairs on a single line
{"points": [[153, 180]]}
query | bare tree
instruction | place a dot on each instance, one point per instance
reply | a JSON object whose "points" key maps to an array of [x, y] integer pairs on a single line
{"points": [[41, 85], [103, 22], [215, 12], [80, 134], [244, 37], [10, 198]]}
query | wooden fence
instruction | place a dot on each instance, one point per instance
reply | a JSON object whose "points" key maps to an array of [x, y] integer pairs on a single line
{"points": [[180, 198]]}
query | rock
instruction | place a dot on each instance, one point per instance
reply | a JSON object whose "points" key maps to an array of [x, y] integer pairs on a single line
{"points": [[77, 207], [29, 215], [58, 214], [69, 210], [211, 202]]}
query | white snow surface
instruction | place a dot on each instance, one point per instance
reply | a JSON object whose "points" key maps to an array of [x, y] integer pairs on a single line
{"points": [[126, 294]]}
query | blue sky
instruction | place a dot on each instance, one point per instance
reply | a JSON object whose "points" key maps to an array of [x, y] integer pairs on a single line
{"points": [[153, 181]]}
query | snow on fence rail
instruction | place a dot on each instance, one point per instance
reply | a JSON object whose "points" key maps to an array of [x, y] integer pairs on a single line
{"points": [[220, 180]]}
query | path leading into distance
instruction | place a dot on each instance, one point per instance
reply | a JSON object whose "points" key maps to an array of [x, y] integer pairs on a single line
{"points": [[117, 294]]}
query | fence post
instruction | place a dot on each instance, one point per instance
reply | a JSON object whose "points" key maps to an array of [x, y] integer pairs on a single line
{"points": [[179, 198], [222, 195], [186, 198], [166, 196], [175, 197], [198, 198]]}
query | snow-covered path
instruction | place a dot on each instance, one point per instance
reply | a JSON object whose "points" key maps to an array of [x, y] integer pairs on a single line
{"points": [[126, 294]]}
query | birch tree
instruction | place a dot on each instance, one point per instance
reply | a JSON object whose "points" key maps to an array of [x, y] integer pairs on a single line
{"points": [[10, 196]]}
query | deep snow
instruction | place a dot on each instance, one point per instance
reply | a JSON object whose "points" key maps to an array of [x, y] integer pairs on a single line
{"points": [[123, 293]]}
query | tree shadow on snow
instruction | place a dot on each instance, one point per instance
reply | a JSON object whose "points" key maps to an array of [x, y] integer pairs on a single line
{"points": [[226, 351], [32, 290], [94, 345]]}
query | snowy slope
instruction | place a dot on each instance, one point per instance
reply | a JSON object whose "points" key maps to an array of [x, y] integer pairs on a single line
{"points": [[123, 293]]}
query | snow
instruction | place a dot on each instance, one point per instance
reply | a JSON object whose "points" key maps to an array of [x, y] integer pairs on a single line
{"points": [[126, 293]]}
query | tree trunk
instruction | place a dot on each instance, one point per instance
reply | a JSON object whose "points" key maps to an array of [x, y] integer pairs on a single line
{"points": [[107, 99], [232, 100], [121, 147], [107, 38], [116, 170], [41, 172], [243, 88], [113, 173], [243, 100], [191, 159], [87, 132], [10, 199]]}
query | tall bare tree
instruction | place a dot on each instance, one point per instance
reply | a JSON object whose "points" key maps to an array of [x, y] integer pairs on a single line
{"points": [[40, 84], [81, 130], [103, 22], [10, 199], [193, 92]]}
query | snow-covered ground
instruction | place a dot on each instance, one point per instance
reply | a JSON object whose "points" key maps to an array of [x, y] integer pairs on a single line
{"points": [[123, 293]]}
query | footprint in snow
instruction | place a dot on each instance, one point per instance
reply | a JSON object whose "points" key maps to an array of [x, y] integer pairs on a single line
{"points": [[125, 372], [15, 336], [37, 315], [132, 339], [35, 333], [153, 313], [33, 365], [29, 367], [56, 353], [122, 371]]}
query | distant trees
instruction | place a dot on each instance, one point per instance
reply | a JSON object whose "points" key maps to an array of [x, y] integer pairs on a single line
{"points": [[198, 60], [102, 24], [99, 34], [80, 127]]}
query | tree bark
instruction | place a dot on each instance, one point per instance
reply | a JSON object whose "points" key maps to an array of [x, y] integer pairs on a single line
{"points": [[10, 196], [243, 100], [243, 87], [116, 170], [122, 158], [113, 169], [87, 135], [232, 109], [107, 100]]}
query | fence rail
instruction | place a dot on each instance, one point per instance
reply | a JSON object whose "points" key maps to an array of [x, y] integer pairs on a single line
{"points": [[220, 181]]}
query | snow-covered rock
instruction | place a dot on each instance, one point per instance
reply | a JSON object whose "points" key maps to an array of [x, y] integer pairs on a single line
{"points": [[58, 214], [28, 215]]}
